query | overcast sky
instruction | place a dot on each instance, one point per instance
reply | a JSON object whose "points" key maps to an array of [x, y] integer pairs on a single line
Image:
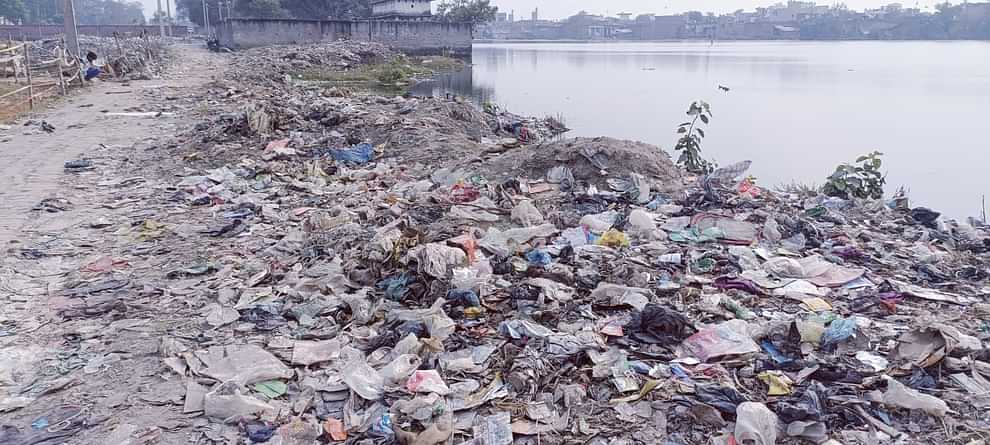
{"points": [[555, 9]]}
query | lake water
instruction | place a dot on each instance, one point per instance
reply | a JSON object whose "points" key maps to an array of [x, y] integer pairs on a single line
{"points": [[796, 109]]}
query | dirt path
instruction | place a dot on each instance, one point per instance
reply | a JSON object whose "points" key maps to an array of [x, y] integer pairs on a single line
{"points": [[33, 159], [83, 367]]}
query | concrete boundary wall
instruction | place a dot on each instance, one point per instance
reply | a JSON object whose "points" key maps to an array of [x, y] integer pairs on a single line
{"points": [[38, 32], [414, 37]]}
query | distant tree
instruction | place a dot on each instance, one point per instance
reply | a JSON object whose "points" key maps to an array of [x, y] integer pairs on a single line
{"points": [[13, 10], [193, 10], [328, 9], [158, 17], [473, 11], [42, 11], [261, 9], [109, 12]]}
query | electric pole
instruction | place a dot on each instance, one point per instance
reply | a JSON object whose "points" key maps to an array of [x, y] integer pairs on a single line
{"points": [[161, 19], [69, 23], [206, 18], [168, 10]]}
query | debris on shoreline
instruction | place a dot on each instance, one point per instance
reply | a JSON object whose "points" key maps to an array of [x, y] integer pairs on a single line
{"points": [[377, 270]]}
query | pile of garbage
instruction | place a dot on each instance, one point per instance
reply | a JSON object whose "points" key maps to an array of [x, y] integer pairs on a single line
{"points": [[416, 279], [134, 57], [416, 271], [272, 63]]}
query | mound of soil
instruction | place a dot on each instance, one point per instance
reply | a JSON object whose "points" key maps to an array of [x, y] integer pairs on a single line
{"points": [[591, 160]]}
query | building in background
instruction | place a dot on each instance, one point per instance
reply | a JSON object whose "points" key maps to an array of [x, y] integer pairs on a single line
{"points": [[401, 9]]}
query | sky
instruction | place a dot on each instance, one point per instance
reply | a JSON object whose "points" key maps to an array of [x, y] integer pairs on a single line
{"points": [[556, 9]]}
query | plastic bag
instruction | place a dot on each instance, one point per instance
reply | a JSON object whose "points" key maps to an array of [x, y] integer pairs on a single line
{"points": [[837, 332], [538, 258], [901, 396], [574, 237], [723, 398], [427, 382], [357, 154], [437, 323], [755, 424], [526, 214], [504, 242], [360, 377], [437, 260], [614, 239], [601, 222], [399, 370], [640, 222], [465, 297], [726, 340]]}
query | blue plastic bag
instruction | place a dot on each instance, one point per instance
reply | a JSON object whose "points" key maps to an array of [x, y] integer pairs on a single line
{"points": [[838, 331], [395, 287], [537, 257], [358, 154], [466, 297]]}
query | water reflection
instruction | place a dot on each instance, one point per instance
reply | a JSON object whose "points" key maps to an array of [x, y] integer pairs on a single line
{"points": [[460, 83], [796, 109]]}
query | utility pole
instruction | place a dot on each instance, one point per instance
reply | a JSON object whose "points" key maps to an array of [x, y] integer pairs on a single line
{"points": [[206, 18], [168, 10], [161, 20], [69, 23]]}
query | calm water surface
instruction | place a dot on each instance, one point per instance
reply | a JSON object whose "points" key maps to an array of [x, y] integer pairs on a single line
{"points": [[796, 109]]}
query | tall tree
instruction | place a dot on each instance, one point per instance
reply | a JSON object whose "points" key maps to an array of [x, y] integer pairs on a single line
{"points": [[193, 9], [13, 10], [328, 9], [42, 11], [473, 11], [109, 12], [260, 9]]}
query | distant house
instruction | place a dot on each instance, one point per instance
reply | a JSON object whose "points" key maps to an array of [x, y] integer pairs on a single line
{"points": [[401, 9]]}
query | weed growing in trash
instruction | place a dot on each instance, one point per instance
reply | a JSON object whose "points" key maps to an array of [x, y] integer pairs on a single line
{"points": [[690, 142], [400, 70], [860, 180], [799, 189]]}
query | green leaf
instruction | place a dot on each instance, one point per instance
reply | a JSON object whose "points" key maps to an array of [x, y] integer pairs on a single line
{"points": [[862, 158], [681, 130], [704, 118], [701, 131], [272, 389]]}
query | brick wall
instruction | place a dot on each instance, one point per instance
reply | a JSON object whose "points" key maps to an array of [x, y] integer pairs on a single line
{"points": [[36, 32], [417, 37]]}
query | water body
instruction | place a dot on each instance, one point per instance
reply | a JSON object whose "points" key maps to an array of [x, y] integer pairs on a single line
{"points": [[796, 109]]}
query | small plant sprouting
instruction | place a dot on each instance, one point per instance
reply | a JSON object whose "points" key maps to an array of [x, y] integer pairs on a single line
{"points": [[691, 136], [861, 180]]}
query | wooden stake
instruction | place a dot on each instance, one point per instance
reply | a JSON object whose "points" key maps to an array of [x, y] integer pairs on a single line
{"points": [[27, 69]]}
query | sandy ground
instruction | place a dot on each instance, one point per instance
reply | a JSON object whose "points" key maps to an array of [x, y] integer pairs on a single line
{"points": [[33, 159], [58, 362]]}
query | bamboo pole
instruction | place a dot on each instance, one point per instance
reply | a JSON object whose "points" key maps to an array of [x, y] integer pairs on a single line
{"points": [[27, 66], [60, 63]]}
